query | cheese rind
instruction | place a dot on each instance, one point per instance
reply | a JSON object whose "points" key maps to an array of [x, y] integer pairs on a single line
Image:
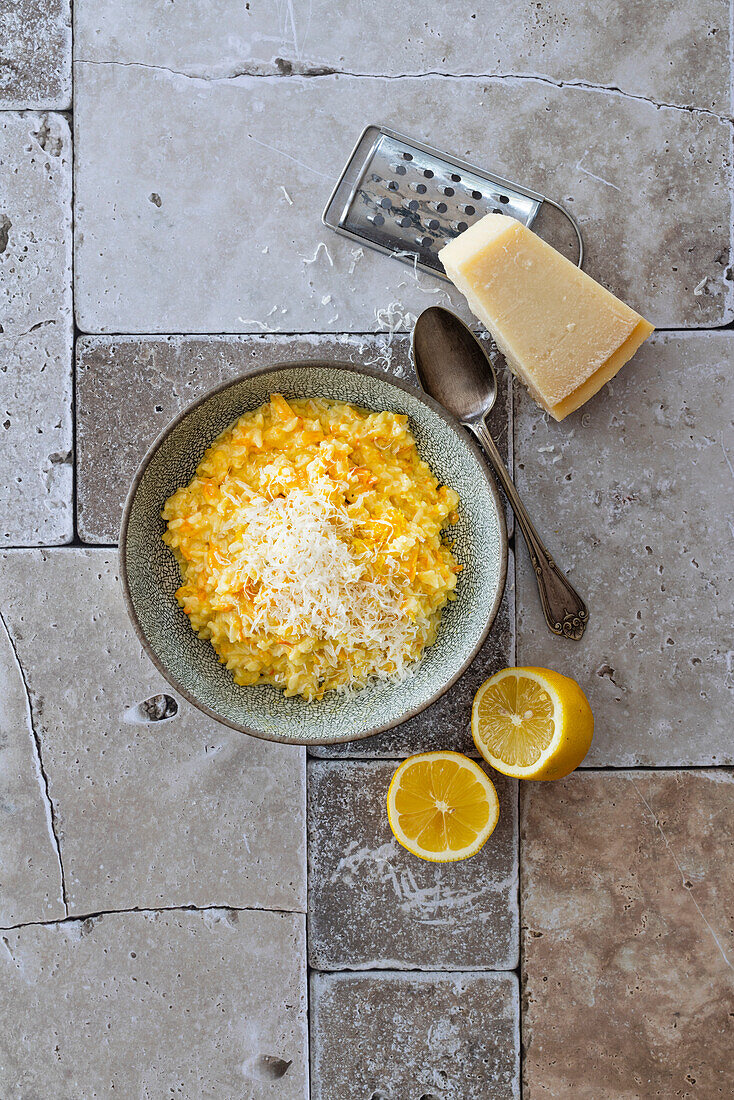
{"points": [[562, 333]]}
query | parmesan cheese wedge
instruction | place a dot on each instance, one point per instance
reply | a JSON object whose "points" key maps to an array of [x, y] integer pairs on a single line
{"points": [[561, 333]]}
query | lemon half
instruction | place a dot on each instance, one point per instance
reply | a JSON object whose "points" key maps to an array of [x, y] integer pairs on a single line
{"points": [[441, 806], [532, 723]]}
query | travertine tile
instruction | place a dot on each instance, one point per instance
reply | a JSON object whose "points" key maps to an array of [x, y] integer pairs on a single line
{"points": [[172, 812], [35, 329], [372, 904], [198, 201], [679, 53], [35, 55], [30, 875], [156, 1004], [392, 1036], [632, 495], [628, 947]]}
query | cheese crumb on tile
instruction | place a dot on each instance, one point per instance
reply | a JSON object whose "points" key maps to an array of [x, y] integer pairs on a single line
{"points": [[561, 333]]}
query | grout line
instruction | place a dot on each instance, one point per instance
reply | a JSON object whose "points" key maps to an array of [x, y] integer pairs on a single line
{"points": [[75, 327], [80, 544], [610, 769], [307, 965], [391, 968], [74, 447], [296, 334], [521, 953], [243, 334], [520, 991], [512, 539], [511, 442], [74, 917], [77, 544], [621, 768]]}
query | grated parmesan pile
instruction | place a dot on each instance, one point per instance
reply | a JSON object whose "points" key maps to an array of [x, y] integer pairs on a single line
{"points": [[297, 556]]}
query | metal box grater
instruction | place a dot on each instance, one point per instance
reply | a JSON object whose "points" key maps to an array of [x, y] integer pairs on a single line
{"points": [[406, 199]]}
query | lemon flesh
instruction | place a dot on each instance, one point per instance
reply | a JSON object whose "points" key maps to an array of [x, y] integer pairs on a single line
{"points": [[441, 806], [532, 723]]}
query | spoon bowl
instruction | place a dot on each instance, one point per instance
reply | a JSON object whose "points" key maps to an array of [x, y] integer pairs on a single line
{"points": [[452, 365]]}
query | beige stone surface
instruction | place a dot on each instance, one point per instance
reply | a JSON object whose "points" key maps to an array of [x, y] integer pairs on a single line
{"points": [[35, 329], [628, 948], [154, 1004], [35, 54], [633, 495], [679, 53], [394, 1036], [30, 873], [183, 224], [176, 811], [373, 904]]}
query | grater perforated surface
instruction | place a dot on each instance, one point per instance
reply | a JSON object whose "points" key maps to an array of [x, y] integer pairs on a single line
{"points": [[407, 199]]}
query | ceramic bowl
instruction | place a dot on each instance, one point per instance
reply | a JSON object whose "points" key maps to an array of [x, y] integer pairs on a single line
{"points": [[150, 574]]}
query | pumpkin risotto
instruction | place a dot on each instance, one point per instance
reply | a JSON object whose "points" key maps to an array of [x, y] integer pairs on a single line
{"points": [[309, 542]]}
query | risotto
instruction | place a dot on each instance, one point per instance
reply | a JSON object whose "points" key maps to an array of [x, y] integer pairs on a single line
{"points": [[310, 547]]}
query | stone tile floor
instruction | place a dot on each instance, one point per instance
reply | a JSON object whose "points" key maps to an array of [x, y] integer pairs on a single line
{"points": [[157, 1003], [372, 905], [157, 870], [143, 219]]}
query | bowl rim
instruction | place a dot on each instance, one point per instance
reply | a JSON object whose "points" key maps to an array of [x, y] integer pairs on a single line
{"points": [[336, 364]]}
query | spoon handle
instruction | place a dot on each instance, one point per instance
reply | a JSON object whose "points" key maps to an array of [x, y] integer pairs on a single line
{"points": [[564, 610]]}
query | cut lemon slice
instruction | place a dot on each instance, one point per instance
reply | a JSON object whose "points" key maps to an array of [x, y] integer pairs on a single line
{"points": [[532, 723], [441, 806]]}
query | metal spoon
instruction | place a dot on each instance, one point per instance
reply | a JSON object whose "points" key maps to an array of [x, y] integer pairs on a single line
{"points": [[454, 369]]}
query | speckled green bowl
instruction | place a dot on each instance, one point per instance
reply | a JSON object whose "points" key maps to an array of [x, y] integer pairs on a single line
{"points": [[150, 575]]}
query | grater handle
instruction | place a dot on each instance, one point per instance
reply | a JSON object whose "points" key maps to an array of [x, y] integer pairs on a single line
{"points": [[575, 226], [565, 612]]}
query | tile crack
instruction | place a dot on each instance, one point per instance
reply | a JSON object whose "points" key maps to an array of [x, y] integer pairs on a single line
{"points": [[41, 774], [539, 78], [244, 70], [296, 69], [98, 914], [34, 328]]}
